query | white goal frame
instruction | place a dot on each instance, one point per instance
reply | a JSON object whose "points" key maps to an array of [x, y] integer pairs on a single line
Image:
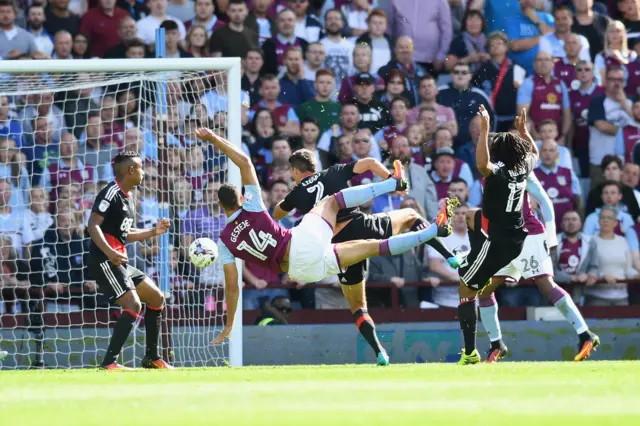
{"points": [[234, 112]]}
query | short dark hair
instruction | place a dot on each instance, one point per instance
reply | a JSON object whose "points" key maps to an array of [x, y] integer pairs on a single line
{"points": [[229, 196], [169, 25], [268, 77], [612, 183], [304, 160], [237, 2], [561, 8], [612, 68], [136, 42], [510, 149], [254, 50], [458, 180], [402, 99], [608, 159], [9, 3], [122, 160], [474, 12], [309, 120], [278, 182]]}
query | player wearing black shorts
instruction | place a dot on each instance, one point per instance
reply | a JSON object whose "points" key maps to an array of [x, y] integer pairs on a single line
{"points": [[506, 165], [351, 224], [110, 228]]}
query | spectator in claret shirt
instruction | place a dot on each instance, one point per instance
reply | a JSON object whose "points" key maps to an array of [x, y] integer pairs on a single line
{"points": [[68, 168], [398, 126], [101, 25], [12, 168], [428, 92], [295, 89], [564, 68], [275, 48], [616, 51], [284, 114], [205, 16], [127, 32], [545, 97], [35, 26], [60, 18]]}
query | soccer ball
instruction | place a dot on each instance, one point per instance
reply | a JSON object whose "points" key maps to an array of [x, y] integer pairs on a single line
{"points": [[203, 252]]}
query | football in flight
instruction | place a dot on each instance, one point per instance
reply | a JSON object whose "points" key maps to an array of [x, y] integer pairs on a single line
{"points": [[203, 252]]}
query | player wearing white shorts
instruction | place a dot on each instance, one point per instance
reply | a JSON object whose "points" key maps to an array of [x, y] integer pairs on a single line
{"points": [[534, 263]]}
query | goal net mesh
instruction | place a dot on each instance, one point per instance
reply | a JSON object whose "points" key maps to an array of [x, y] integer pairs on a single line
{"points": [[58, 135]]}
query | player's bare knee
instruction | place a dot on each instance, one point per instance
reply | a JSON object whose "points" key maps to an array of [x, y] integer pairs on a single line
{"points": [[130, 302], [545, 285]]}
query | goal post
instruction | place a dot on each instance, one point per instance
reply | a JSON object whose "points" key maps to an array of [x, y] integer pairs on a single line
{"points": [[44, 321]]}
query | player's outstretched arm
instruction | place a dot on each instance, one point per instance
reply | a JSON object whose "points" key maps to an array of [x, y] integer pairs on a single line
{"points": [[232, 293], [97, 236], [521, 125], [239, 158], [278, 212], [136, 234], [373, 165], [483, 162]]}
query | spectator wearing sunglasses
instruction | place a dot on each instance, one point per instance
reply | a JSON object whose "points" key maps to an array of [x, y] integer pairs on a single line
{"points": [[464, 100]]}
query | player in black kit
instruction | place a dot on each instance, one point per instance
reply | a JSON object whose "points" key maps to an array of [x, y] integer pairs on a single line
{"points": [[352, 224], [506, 163], [110, 228]]}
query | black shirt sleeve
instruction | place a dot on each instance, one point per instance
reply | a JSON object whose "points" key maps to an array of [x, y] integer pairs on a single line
{"points": [[289, 202], [101, 206], [345, 170], [458, 48]]}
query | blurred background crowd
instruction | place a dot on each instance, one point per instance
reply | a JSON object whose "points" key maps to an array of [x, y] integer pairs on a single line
{"points": [[347, 79]]}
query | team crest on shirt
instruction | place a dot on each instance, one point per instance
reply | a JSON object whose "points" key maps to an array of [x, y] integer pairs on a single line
{"points": [[551, 98], [125, 208], [104, 205], [558, 88], [553, 192], [562, 180]]}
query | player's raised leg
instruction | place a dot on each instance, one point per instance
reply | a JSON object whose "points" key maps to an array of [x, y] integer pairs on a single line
{"points": [[151, 295], [564, 303], [351, 252], [131, 306], [358, 195]]}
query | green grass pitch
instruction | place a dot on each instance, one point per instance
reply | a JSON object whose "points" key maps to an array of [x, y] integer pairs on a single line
{"points": [[547, 394]]}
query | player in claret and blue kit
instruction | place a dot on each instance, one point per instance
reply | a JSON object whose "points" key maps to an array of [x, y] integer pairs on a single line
{"points": [[110, 228], [352, 224], [305, 252]]}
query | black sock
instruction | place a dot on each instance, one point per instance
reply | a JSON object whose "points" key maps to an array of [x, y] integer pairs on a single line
{"points": [[419, 224], [121, 331], [152, 322], [367, 328], [468, 324]]}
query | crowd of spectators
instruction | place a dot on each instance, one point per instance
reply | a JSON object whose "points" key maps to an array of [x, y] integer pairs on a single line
{"points": [[347, 79]]}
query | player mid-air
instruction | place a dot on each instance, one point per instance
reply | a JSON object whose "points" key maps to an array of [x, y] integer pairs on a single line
{"points": [[305, 252], [111, 227], [533, 263], [352, 224], [506, 165]]}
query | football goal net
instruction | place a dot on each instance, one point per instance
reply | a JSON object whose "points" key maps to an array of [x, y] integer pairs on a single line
{"points": [[61, 124]]}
